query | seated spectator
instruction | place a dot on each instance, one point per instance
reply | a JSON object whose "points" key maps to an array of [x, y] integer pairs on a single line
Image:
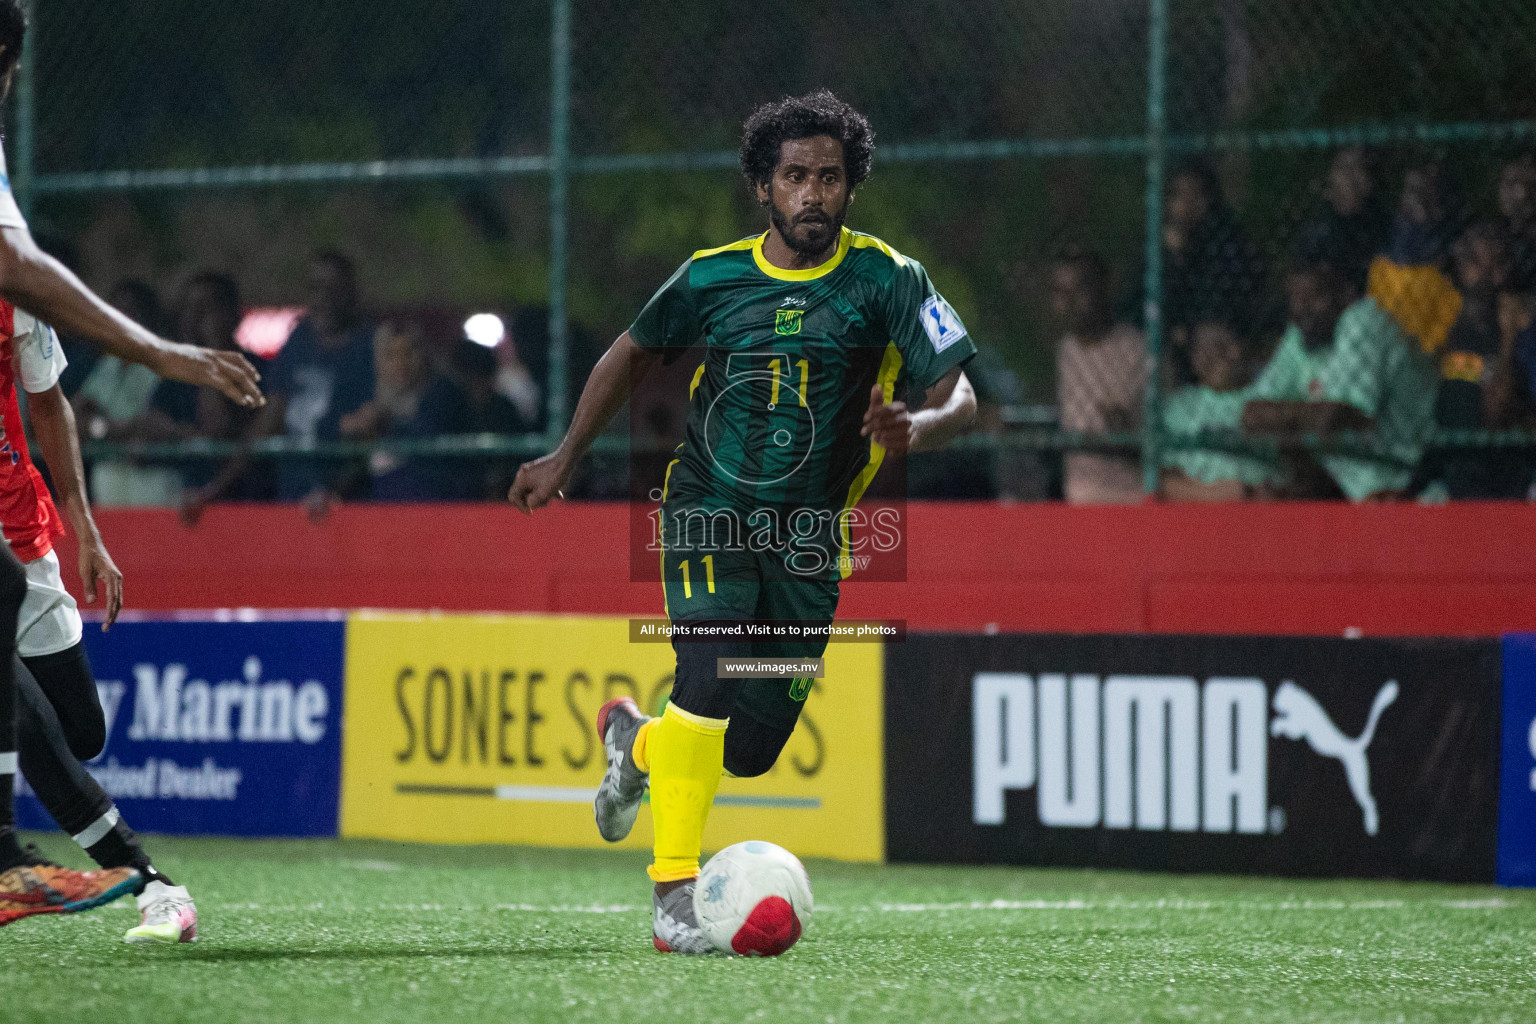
{"points": [[210, 314], [1409, 281], [1101, 379], [487, 412], [1353, 225], [324, 372], [1477, 370], [410, 401], [125, 402], [1343, 365], [1517, 208], [1214, 406]]}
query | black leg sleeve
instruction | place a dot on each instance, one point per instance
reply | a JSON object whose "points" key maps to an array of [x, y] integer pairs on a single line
{"points": [[66, 680], [66, 790], [13, 588], [74, 799]]}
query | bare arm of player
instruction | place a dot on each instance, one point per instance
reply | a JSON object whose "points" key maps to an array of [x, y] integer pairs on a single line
{"points": [[53, 421], [947, 412], [40, 284], [622, 366]]}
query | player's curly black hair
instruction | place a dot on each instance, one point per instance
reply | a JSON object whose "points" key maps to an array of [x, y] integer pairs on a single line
{"points": [[13, 29], [805, 117]]}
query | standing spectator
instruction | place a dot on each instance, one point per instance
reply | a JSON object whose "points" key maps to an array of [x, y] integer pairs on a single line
{"points": [[488, 412], [1513, 382], [324, 372], [1101, 379], [410, 401], [210, 314], [1209, 263], [126, 402], [1353, 225], [1220, 353], [1517, 208], [1429, 217], [1343, 365], [1409, 281], [1476, 352]]}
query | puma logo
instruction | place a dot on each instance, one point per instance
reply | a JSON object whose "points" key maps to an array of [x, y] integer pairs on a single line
{"points": [[1298, 716]]}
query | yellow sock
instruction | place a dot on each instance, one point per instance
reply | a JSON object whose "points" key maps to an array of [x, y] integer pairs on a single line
{"points": [[639, 751], [686, 753]]}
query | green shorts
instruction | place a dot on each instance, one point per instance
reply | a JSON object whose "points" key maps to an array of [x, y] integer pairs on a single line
{"points": [[704, 584]]}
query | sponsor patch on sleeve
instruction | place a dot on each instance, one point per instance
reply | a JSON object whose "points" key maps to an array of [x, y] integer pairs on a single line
{"points": [[941, 323]]}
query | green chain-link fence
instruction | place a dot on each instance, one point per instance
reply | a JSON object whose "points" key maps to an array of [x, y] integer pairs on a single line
{"points": [[566, 157]]}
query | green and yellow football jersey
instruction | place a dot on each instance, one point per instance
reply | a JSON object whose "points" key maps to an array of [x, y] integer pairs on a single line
{"points": [[790, 359]]}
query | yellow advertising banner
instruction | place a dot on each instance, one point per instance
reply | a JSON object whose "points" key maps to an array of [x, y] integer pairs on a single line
{"points": [[480, 729]]}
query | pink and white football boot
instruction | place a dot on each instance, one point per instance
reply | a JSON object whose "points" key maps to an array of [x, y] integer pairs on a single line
{"points": [[166, 914]]}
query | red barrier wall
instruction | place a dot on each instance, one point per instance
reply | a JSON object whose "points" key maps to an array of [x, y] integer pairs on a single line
{"points": [[1259, 568]]}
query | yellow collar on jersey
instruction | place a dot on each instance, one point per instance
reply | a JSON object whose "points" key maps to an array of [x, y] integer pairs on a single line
{"points": [[844, 239]]}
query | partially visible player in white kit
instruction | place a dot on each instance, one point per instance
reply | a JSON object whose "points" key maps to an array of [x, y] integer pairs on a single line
{"points": [[60, 722], [31, 279]]}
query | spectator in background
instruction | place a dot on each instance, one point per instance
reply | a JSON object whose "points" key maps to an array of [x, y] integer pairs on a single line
{"points": [[1409, 281], [1428, 217], [1477, 369], [126, 402], [1209, 263], [488, 412], [210, 314], [1517, 358], [1353, 225], [1101, 379], [1343, 365], [409, 401], [515, 382], [1517, 208], [1214, 405], [324, 372]]}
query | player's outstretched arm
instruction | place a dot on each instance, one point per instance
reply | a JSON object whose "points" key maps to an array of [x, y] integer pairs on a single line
{"points": [[40, 284], [947, 412], [53, 422], [622, 366]]}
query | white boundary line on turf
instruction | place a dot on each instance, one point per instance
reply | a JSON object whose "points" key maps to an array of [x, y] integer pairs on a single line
{"points": [[1493, 903], [923, 908]]}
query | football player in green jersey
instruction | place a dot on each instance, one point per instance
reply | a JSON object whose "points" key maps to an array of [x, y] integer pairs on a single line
{"points": [[824, 351]]}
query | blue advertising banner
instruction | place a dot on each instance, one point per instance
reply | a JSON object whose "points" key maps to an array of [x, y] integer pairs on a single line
{"points": [[1517, 782], [218, 727]]}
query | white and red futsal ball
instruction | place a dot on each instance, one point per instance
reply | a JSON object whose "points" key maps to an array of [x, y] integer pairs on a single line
{"points": [[753, 899]]}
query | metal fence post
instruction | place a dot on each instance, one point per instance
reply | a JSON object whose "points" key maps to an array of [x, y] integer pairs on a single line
{"points": [[1157, 154], [23, 174], [559, 199]]}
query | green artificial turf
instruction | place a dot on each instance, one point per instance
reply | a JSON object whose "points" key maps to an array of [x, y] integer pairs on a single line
{"points": [[378, 932]]}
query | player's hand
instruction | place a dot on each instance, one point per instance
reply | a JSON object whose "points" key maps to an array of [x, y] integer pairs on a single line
{"points": [[96, 566], [228, 372], [539, 482], [888, 423]]}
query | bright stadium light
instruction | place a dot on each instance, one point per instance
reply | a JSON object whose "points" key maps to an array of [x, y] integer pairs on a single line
{"points": [[485, 329]]}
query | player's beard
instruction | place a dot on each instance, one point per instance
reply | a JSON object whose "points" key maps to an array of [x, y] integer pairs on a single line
{"points": [[808, 239]]}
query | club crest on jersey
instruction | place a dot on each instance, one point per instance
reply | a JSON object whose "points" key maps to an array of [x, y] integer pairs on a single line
{"points": [[787, 321], [941, 323]]}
